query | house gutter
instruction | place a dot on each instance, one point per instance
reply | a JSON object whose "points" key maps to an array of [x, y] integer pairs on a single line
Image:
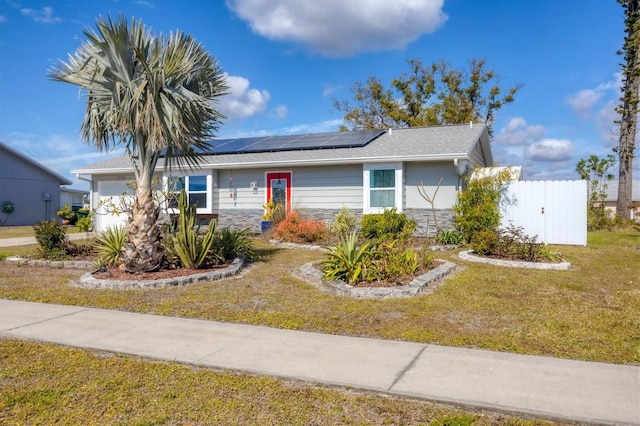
{"points": [[79, 177], [291, 163]]}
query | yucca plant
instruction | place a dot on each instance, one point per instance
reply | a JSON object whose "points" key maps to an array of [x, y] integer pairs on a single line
{"points": [[109, 245], [188, 243], [347, 260]]}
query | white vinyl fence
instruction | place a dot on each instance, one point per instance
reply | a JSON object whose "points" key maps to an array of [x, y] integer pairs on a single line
{"points": [[554, 211]]}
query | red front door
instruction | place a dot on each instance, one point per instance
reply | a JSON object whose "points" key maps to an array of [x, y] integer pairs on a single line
{"points": [[279, 189]]}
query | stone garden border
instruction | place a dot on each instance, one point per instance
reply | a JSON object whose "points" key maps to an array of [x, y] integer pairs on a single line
{"points": [[76, 264], [426, 283], [470, 256], [88, 281]]}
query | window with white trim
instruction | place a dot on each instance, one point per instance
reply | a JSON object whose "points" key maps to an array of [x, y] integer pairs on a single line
{"points": [[197, 187], [382, 187]]}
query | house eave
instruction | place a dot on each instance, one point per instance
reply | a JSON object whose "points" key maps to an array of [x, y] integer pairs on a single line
{"points": [[294, 163]]}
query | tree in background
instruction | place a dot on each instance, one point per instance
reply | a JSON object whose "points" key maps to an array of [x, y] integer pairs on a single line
{"points": [[154, 95], [628, 109], [427, 96], [596, 171]]}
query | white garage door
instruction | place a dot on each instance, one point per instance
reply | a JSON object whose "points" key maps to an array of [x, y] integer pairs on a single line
{"points": [[110, 194]]}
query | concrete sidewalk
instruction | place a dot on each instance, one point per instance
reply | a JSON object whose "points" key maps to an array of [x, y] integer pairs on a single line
{"points": [[25, 241], [541, 386]]}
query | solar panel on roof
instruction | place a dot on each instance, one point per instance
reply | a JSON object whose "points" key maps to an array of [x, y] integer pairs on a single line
{"points": [[328, 140]]}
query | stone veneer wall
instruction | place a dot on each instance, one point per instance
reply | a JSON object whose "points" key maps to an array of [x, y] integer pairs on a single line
{"points": [[242, 219], [424, 218]]}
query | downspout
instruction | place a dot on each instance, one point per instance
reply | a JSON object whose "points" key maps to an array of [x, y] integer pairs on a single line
{"points": [[79, 177]]}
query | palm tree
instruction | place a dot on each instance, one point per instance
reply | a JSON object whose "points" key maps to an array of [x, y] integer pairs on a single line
{"points": [[155, 96]]}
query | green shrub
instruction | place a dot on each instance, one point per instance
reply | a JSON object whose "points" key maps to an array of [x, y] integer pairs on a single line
{"points": [[185, 242], [294, 229], [387, 225], [512, 243], [52, 239], [348, 260], [230, 244], [109, 245], [394, 260], [390, 260], [485, 242], [450, 237], [477, 208], [84, 224], [344, 222]]}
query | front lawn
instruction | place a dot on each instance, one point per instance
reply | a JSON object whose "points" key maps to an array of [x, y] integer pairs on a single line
{"points": [[587, 313], [27, 231], [49, 384]]}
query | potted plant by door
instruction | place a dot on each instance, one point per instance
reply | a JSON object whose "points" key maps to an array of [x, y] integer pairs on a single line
{"points": [[269, 209], [66, 214]]}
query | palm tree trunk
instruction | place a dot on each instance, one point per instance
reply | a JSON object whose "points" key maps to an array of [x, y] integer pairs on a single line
{"points": [[143, 251]]}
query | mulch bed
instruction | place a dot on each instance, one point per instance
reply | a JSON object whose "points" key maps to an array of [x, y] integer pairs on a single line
{"points": [[121, 274], [400, 281]]}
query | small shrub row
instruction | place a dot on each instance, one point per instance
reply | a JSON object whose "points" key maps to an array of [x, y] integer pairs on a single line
{"points": [[387, 225], [511, 243]]}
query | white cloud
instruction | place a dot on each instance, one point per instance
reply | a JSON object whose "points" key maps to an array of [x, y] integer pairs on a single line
{"points": [[605, 123], [242, 101], [58, 152], [550, 150], [145, 4], [518, 132], [342, 28], [329, 90], [614, 84], [3, 19], [280, 112], [44, 15], [583, 101]]}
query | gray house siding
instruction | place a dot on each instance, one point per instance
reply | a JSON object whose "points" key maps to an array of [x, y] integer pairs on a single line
{"points": [[324, 180], [317, 193], [33, 190]]}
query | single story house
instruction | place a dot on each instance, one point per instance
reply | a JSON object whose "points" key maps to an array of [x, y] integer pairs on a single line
{"points": [[611, 199], [315, 174], [29, 191], [73, 197]]}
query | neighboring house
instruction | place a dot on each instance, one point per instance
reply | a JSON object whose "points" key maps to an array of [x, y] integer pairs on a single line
{"points": [[32, 189], [73, 197], [315, 174], [612, 199]]}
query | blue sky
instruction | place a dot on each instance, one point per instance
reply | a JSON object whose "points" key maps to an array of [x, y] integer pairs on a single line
{"points": [[287, 60]]}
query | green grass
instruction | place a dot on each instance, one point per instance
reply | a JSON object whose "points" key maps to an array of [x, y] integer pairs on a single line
{"points": [[48, 384], [27, 231], [587, 313]]}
